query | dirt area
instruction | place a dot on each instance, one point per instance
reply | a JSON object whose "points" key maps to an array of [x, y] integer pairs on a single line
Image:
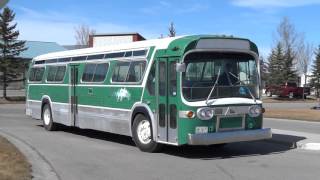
{"points": [[287, 100], [13, 164], [295, 114]]}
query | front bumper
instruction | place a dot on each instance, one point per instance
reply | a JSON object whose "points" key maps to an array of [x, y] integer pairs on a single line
{"points": [[229, 137]]}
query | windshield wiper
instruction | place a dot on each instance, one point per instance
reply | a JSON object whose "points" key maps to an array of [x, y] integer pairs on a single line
{"points": [[252, 96], [214, 86]]}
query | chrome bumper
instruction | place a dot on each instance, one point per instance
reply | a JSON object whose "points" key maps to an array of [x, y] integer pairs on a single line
{"points": [[229, 137]]}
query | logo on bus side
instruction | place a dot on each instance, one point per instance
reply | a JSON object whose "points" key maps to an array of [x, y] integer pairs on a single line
{"points": [[122, 94]]}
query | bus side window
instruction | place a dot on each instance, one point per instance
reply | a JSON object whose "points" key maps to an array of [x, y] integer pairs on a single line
{"points": [[88, 73], [56, 73], [60, 73], [120, 71], [52, 70], [39, 74], [136, 71], [162, 79], [36, 74], [173, 79], [151, 80], [101, 72]]}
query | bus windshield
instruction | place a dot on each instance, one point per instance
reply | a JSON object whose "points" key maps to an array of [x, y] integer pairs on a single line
{"points": [[235, 75]]}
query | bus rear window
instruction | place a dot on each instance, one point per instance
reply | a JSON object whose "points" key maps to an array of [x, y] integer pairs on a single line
{"points": [[36, 74]]}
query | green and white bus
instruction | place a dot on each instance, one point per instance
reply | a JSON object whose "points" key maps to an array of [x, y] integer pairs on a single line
{"points": [[195, 90]]}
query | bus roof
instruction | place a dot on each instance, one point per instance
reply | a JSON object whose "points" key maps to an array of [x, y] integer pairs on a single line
{"points": [[163, 43], [158, 43]]}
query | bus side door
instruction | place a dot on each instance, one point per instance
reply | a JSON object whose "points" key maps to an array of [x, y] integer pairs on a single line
{"points": [[166, 93], [74, 80]]}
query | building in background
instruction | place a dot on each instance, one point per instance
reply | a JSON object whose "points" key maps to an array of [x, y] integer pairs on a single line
{"points": [[98, 40], [35, 48]]}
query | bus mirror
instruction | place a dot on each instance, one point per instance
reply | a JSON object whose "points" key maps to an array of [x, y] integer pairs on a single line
{"points": [[180, 67]]}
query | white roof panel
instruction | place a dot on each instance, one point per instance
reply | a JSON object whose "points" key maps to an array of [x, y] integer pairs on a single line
{"points": [[158, 43]]}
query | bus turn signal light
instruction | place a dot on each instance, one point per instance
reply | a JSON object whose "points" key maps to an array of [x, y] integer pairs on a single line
{"points": [[190, 114]]}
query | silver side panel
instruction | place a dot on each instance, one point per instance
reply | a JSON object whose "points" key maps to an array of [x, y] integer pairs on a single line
{"points": [[60, 113], [98, 118], [103, 119], [33, 109]]}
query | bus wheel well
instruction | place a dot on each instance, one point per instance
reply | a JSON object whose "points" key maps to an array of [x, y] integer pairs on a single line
{"points": [[44, 102], [139, 110]]}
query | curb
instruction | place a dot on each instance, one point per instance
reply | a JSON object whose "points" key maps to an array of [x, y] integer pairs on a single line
{"points": [[41, 168], [294, 139]]}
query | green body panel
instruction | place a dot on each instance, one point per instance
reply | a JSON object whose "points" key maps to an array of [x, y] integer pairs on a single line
{"points": [[96, 94]]}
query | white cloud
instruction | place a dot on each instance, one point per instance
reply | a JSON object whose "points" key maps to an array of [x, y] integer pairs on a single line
{"points": [[273, 3]]}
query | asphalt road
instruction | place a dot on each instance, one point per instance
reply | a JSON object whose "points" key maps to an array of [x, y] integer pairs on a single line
{"points": [[84, 154], [292, 125]]}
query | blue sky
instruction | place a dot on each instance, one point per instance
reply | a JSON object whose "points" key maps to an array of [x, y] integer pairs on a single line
{"points": [[49, 20]]}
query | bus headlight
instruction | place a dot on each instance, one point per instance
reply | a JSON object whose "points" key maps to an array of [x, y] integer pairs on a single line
{"points": [[254, 111], [205, 113]]}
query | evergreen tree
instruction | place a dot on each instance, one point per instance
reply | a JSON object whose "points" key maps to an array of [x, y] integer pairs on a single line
{"points": [[275, 67], [315, 80], [263, 69], [11, 66], [289, 73]]}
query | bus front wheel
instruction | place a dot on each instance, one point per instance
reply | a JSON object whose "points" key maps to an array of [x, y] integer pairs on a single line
{"points": [[47, 118], [142, 134]]}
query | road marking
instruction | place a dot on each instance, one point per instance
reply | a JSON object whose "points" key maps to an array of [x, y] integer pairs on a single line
{"points": [[311, 146]]}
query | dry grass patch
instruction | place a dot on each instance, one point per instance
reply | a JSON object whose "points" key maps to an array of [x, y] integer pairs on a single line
{"points": [[298, 114], [287, 100], [12, 100], [13, 165]]}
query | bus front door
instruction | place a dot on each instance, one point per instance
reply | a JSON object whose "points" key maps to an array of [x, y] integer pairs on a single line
{"points": [[166, 93], [73, 93]]}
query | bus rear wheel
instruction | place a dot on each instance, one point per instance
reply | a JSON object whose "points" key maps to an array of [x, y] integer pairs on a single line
{"points": [[47, 120], [142, 134]]}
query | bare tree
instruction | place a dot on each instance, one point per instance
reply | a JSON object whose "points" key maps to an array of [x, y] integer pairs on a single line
{"points": [[172, 30], [294, 41], [82, 33], [304, 55], [287, 34]]}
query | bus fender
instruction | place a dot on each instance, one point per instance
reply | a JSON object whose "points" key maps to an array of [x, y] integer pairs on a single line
{"points": [[141, 108], [45, 99]]}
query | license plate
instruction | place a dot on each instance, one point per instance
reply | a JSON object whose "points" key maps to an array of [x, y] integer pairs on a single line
{"points": [[201, 130]]}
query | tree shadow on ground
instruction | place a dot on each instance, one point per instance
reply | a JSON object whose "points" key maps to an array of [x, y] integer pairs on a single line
{"points": [[280, 143]]}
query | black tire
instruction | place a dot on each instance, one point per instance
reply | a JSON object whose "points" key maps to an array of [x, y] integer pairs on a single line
{"points": [[48, 124], [150, 145]]}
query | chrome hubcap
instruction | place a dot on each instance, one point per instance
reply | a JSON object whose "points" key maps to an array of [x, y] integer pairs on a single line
{"points": [[46, 116], [144, 132]]}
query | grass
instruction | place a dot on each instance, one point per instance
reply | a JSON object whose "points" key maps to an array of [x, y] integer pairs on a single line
{"points": [[13, 164], [295, 114]]}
